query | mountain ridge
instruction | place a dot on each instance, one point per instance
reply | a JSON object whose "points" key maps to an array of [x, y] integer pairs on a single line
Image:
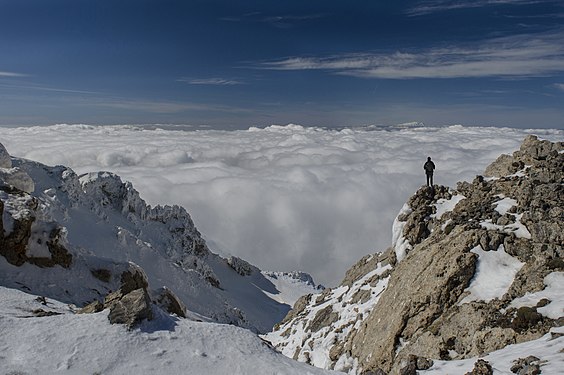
{"points": [[61, 231], [428, 296]]}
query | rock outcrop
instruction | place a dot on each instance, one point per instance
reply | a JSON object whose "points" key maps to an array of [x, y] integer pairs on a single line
{"points": [[433, 294]]}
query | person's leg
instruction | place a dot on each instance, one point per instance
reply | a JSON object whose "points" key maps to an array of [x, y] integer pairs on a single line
{"points": [[431, 178], [427, 179]]}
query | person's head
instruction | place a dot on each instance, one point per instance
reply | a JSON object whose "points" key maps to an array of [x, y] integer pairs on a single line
{"points": [[429, 158]]}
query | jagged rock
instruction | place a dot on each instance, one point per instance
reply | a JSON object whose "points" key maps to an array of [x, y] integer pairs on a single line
{"points": [[526, 366], [170, 302], [481, 367], [5, 160], [24, 230], [131, 309], [132, 279], [241, 266], [323, 318], [91, 308]]}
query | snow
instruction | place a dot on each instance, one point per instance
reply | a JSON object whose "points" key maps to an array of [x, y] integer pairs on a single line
{"points": [[548, 349], [553, 291], [318, 344], [281, 197], [502, 207], [399, 242], [290, 286], [88, 344], [446, 205], [495, 272]]}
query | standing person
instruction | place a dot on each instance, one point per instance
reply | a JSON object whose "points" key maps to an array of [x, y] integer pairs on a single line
{"points": [[429, 167]]}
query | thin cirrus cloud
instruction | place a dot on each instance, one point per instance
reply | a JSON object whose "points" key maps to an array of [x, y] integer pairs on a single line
{"points": [[12, 74], [559, 86], [435, 6], [514, 56], [211, 81]]}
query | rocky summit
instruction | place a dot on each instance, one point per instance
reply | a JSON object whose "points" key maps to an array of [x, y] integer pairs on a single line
{"points": [[471, 270]]}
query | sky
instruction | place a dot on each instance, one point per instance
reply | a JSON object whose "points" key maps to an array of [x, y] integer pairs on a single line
{"points": [[234, 64], [283, 198]]}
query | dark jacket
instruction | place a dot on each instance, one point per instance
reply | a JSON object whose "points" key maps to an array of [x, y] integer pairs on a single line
{"points": [[429, 167]]}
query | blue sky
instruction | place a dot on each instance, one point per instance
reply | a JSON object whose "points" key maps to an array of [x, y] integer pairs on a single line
{"points": [[235, 64]]}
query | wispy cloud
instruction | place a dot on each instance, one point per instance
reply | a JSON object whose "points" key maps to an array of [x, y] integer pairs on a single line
{"points": [[434, 6], [211, 81], [279, 21], [559, 86], [12, 74], [162, 107], [45, 88], [515, 56]]}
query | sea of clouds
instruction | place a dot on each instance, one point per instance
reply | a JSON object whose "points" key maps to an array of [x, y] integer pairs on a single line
{"points": [[284, 197]]}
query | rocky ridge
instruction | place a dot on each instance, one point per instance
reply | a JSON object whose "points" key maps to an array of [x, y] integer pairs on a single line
{"points": [[424, 298]]}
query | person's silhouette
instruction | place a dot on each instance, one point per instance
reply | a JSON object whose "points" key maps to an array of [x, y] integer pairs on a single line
{"points": [[429, 167]]}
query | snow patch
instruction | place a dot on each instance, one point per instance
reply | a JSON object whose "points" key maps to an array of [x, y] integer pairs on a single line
{"points": [[446, 205], [399, 242], [495, 272], [553, 292]]}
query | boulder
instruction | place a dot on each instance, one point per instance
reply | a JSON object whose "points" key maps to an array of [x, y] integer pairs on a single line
{"points": [[131, 309]]}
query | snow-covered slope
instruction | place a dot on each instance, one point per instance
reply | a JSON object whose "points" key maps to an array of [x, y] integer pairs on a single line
{"points": [[61, 342], [62, 233]]}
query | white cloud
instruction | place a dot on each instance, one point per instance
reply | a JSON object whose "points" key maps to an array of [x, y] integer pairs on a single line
{"points": [[283, 198], [12, 74], [434, 6], [211, 81], [559, 86], [514, 56]]}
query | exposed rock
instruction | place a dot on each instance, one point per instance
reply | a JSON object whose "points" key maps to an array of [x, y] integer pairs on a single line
{"points": [[91, 308], [481, 367], [133, 279], [526, 366], [241, 266], [323, 318], [5, 160], [170, 303], [131, 309]]}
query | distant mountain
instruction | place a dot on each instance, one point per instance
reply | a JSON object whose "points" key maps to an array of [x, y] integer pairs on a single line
{"points": [[75, 238], [474, 270]]}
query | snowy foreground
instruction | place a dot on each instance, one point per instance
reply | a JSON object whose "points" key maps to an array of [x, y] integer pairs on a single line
{"points": [[89, 344]]}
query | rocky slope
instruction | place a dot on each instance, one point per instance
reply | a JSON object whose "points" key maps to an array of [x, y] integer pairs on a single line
{"points": [[471, 270], [79, 239]]}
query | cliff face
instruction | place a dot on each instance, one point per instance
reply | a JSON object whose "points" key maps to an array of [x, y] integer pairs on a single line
{"points": [[452, 284]]}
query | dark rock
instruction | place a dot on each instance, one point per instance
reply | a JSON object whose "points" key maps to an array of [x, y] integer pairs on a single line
{"points": [[481, 367], [131, 309], [526, 366], [102, 274], [42, 313], [91, 308], [170, 302], [526, 318], [133, 279]]}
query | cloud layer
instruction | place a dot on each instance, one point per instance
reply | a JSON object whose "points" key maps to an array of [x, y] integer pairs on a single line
{"points": [[283, 198]]}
